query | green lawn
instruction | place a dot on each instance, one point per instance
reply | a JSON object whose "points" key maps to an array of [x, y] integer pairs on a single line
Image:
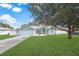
{"points": [[52, 45], [6, 36]]}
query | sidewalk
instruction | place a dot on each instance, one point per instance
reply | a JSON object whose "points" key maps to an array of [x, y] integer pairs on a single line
{"points": [[9, 43]]}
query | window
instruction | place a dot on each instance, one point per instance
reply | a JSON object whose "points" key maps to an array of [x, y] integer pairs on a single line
{"points": [[43, 31], [38, 31], [47, 31]]}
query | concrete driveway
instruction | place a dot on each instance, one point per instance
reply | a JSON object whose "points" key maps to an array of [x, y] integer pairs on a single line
{"points": [[11, 42]]}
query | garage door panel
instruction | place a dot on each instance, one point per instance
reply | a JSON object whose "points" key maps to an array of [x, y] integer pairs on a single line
{"points": [[26, 33]]}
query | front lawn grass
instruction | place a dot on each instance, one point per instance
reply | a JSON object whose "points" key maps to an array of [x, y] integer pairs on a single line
{"points": [[51, 45], [6, 36]]}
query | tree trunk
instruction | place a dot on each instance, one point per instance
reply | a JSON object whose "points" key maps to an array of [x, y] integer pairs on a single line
{"points": [[70, 28], [69, 35]]}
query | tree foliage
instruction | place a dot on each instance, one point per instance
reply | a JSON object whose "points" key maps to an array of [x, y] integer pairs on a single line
{"points": [[5, 25], [63, 16]]}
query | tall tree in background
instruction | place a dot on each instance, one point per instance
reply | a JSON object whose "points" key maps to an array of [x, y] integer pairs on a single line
{"points": [[5, 25], [63, 16]]}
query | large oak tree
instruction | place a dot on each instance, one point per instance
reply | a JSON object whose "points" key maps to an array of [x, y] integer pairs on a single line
{"points": [[63, 16]]}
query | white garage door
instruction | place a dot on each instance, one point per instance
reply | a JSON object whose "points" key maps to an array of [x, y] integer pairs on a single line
{"points": [[26, 33]]}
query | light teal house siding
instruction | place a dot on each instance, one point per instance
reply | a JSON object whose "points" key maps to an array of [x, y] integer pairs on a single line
{"points": [[25, 31], [36, 30], [39, 30]]}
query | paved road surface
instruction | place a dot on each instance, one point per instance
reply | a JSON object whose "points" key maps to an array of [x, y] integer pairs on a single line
{"points": [[9, 43]]}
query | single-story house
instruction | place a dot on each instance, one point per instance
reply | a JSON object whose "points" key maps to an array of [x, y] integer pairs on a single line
{"points": [[4, 31], [39, 30]]}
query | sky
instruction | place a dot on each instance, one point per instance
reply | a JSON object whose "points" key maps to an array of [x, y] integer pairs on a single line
{"points": [[15, 14]]}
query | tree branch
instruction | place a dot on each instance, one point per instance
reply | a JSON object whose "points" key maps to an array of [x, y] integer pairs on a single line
{"points": [[60, 28]]}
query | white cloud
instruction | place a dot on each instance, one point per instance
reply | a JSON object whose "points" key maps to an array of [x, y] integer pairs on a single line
{"points": [[8, 19], [22, 4], [6, 5], [17, 9], [9, 6]]}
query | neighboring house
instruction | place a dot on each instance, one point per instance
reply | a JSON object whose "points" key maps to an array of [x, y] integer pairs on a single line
{"points": [[4, 31], [39, 30]]}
